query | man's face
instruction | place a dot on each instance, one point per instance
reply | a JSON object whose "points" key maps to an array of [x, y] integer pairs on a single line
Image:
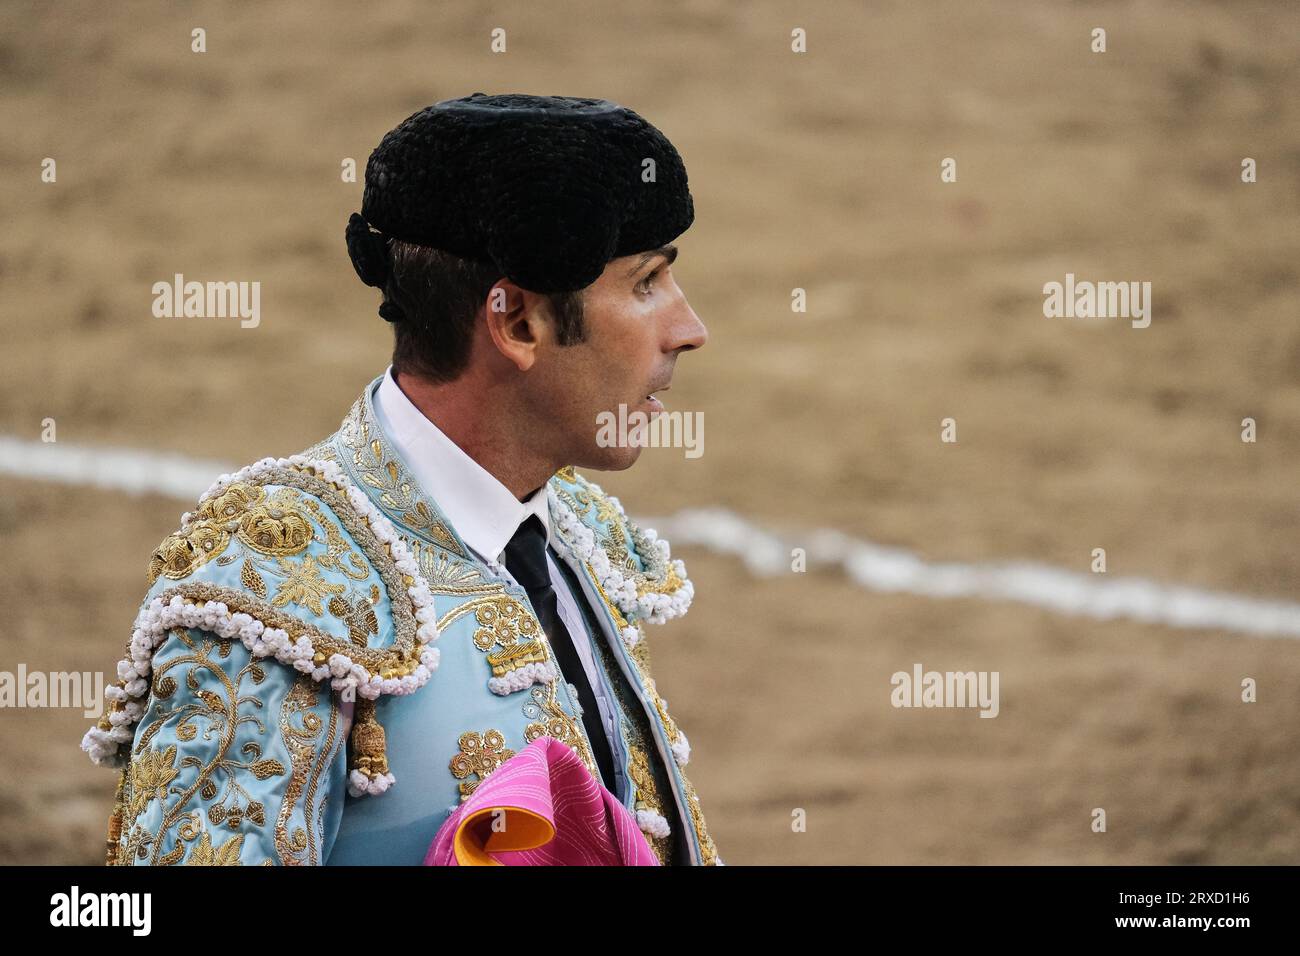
{"points": [[637, 321]]}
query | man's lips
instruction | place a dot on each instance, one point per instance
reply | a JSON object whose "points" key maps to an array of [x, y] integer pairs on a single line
{"points": [[653, 402]]}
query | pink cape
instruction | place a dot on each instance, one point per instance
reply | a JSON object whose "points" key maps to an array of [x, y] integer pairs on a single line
{"points": [[541, 807]]}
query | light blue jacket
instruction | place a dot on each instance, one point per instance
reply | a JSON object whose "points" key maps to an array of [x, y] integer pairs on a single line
{"points": [[321, 669]]}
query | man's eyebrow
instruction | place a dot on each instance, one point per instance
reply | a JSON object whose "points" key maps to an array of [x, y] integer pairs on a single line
{"points": [[669, 252]]}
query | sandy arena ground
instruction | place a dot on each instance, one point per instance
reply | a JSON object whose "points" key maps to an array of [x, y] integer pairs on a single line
{"points": [[818, 171]]}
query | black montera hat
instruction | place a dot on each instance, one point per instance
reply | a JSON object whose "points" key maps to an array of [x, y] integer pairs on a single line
{"points": [[549, 188]]}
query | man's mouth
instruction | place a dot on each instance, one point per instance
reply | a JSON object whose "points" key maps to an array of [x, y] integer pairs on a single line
{"points": [[655, 404]]}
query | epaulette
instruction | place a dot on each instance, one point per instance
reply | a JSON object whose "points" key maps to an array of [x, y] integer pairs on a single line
{"points": [[291, 559], [635, 567]]}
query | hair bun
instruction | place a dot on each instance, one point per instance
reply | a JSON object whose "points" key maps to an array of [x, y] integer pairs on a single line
{"points": [[368, 251]]}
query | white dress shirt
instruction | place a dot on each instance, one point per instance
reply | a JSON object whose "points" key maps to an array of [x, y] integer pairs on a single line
{"points": [[486, 515]]}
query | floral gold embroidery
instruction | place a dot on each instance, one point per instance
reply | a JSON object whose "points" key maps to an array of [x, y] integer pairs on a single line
{"points": [[231, 503], [183, 553], [268, 524], [479, 755], [397, 491], [359, 617], [249, 577], [227, 854], [177, 558], [506, 624], [274, 527], [338, 555], [548, 719], [507, 631], [151, 773], [303, 585], [447, 575]]}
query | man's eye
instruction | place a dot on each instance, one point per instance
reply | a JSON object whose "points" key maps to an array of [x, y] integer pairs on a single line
{"points": [[645, 284]]}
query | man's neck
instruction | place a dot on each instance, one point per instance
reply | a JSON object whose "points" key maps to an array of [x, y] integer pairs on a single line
{"points": [[468, 414]]}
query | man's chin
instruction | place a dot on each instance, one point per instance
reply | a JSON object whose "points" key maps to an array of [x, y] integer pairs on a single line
{"points": [[614, 458]]}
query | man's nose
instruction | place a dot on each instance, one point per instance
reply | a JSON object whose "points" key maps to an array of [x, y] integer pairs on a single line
{"points": [[688, 331]]}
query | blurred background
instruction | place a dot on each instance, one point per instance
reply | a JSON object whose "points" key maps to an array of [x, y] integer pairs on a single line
{"points": [[818, 171]]}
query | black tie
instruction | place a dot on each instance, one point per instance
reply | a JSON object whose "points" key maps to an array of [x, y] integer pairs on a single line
{"points": [[526, 562]]}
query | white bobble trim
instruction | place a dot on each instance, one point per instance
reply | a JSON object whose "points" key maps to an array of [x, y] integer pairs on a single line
{"points": [[621, 588], [521, 677], [681, 747], [359, 785], [652, 824]]}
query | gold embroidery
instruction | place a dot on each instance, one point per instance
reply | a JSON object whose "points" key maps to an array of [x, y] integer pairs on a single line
{"points": [[300, 726], [651, 573], [708, 852], [649, 781], [231, 503], [225, 855], [640, 652], [502, 621], [303, 585], [479, 755], [250, 579], [322, 451], [113, 841], [639, 659], [150, 775], [152, 772], [670, 725], [446, 575], [359, 617], [369, 743], [505, 624], [273, 526], [327, 756], [337, 558], [670, 583], [508, 625], [397, 490], [554, 722], [184, 552], [647, 797], [266, 524], [619, 556], [338, 555]]}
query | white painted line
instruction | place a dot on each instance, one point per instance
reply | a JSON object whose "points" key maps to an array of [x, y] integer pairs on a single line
{"points": [[764, 553], [896, 570], [114, 469]]}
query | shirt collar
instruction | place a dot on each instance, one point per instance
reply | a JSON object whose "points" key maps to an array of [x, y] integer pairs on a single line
{"points": [[482, 510]]}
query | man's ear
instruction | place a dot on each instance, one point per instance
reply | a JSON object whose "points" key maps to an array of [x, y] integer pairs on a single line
{"points": [[516, 322]]}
